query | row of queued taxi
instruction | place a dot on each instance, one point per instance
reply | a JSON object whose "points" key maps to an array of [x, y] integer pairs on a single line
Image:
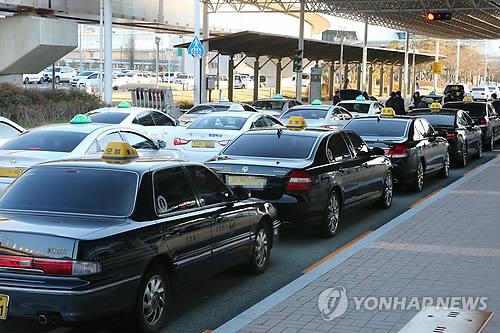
{"points": [[83, 238]]}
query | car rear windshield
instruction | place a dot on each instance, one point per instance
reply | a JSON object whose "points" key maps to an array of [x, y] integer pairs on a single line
{"points": [[57, 141], [218, 123], [307, 113], [202, 109], [272, 145], [269, 105], [478, 89], [85, 73], [355, 107], [108, 117], [475, 110], [73, 190], [379, 127], [437, 120], [454, 88]]}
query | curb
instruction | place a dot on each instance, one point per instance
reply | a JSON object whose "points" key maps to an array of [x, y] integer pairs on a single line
{"points": [[247, 316]]}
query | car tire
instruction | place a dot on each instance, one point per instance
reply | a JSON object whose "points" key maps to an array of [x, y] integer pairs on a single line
{"points": [[26, 80], [261, 251], [491, 143], [331, 220], [385, 200], [40, 81], [154, 292], [479, 154], [462, 162], [445, 170], [418, 182], [243, 87]]}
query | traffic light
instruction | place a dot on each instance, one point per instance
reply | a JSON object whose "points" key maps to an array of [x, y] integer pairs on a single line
{"points": [[437, 16], [297, 61]]}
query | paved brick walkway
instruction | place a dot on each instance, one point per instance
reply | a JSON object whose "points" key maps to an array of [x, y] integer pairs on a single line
{"points": [[447, 246]]}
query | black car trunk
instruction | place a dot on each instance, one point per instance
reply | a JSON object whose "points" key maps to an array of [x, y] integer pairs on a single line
{"points": [[265, 178]]}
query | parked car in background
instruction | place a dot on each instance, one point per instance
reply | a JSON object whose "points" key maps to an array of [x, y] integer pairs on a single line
{"points": [[275, 106], [34, 78], [494, 90], [317, 115], [9, 130], [464, 138], [312, 176], [204, 108], [91, 84], [481, 93], [457, 91], [62, 74], [184, 79], [206, 136], [243, 81], [80, 79], [361, 108]]}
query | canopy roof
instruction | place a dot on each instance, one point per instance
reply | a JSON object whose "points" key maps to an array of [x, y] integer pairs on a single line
{"points": [[256, 44], [472, 19]]}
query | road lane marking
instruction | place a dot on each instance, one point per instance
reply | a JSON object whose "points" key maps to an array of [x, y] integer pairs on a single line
{"points": [[424, 199], [331, 255]]}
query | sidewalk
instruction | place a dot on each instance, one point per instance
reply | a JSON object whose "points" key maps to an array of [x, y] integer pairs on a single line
{"points": [[448, 246]]}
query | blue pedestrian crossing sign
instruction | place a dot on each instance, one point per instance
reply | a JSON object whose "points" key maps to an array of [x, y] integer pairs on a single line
{"points": [[196, 48]]}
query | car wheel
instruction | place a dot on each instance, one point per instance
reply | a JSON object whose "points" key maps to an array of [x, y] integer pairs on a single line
{"points": [[479, 153], [332, 216], [463, 158], [491, 143], [153, 300], [445, 171], [418, 183], [26, 80], [385, 200], [40, 81], [243, 87], [261, 250]]}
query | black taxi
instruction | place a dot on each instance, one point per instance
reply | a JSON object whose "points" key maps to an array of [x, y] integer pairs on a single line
{"points": [[81, 239]]}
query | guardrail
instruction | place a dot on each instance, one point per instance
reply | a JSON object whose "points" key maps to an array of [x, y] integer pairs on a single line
{"points": [[160, 99]]}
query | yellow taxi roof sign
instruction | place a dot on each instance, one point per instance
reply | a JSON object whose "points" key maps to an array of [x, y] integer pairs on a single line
{"points": [[296, 123], [387, 113], [119, 152], [467, 99], [435, 107]]}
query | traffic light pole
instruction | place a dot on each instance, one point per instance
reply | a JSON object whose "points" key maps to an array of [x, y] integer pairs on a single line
{"points": [[365, 58], [197, 59], [298, 75], [436, 76]]}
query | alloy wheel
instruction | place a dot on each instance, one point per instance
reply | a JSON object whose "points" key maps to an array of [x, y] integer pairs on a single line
{"points": [[261, 248], [153, 300], [388, 190], [420, 177], [446, 166], [333, 214]]}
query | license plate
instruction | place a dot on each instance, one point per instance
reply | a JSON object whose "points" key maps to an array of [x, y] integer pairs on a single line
{"points": [[202, 144], [249, 181], [4, 306], [11, 172]]}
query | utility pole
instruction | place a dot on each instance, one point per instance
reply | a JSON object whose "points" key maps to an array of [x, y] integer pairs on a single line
{"points": [[197, 60], [436, 76], [365, 58], [458, 62], [298, 74], [157, 41], [108, 52]]}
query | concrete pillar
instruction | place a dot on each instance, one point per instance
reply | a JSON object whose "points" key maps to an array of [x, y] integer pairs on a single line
{"points": [[458, 62], [400, 81], [346, 74], [391, 79], [298, 81], [108, 52], [364, 62], [256, 70], [197, 60], [230, 83], [359, 75], [370, 80], [436, 77], [381, 93], [278, 77], [331, 85], [204, 59], [405, 84]]}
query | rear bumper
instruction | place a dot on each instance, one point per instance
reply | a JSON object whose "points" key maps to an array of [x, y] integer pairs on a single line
{"points": [[404, 169], [72, 305], [299, 209]]}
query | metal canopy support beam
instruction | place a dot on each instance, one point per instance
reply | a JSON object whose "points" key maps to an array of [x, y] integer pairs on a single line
{"points": [[108, 52], [331, 81], [342, 77], [298, 77], [359, 76], [278, 77], [404, 87], [362, 87], [346, 76], [230, 82], [197, 60], [370, 80], [400, 79], [413, 73], [437, 59], [457, 70], [204, 64], [381, 92], [391, 79], [256, 80]]}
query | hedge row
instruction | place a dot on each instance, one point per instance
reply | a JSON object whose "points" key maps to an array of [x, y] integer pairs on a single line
{"points": [[30, 107]]}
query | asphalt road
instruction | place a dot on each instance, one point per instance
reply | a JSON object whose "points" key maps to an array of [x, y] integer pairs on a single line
{"points": [[213, 301]]}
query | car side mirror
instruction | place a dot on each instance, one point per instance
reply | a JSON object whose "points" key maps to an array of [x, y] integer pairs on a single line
{"points": [[377, 151], [161, 144], [241, 193]]}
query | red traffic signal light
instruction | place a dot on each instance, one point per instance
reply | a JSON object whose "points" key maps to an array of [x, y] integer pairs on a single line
{"points": [[437, 16]]}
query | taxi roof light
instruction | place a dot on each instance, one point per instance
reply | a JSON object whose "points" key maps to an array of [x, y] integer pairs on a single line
{"points": [[278, 96], [81, 119], [119, 152], [316, 102], [123, 105], [360, 98], [467, 99], [435, 107], [296, 123], [387, 113]]}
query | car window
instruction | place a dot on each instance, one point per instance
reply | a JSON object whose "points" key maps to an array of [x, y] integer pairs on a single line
{"points": [[210, 188], [248, 108], [93, 76], [428, 130], [355, 107], [271, 122], [112, 137], [269, 105], [218, 123], [144, 119], [172, 191], [308, 113], [112, 117], [46, 140], [461, 121], [378, 127], [491, 111], [161, 119], [468, 119], [259, 123], [419, 131], [358, 144], [7, 131], [475, 110], [336, 149], [138, 141]]}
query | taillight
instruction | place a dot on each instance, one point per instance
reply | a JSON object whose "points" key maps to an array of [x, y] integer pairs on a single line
{"points": [[51, 266], [179, 141], [483, 121], [398, 151], [299, 181], [224, 142], [452, 136]]}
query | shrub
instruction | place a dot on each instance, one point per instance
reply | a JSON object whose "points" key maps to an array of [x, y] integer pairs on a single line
{"points": [[32, 107]]}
